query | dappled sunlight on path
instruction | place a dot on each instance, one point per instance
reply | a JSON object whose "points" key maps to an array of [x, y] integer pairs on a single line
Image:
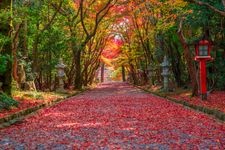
{"points": [[115, 116]]}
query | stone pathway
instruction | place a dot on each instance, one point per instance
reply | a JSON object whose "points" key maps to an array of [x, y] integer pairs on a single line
{"points": [[115, 116]]}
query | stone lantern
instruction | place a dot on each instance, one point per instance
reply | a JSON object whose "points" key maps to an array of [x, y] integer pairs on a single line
{"points": [[61, 75], [202, 55], [165, 73]]}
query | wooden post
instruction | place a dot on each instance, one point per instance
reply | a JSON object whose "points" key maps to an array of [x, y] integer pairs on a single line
{"points": [[203, 86], [123, 74], [102, 72]]}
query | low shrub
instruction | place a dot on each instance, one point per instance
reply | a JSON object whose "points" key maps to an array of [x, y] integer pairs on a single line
{"points": [[33, 95], [7, 102]]}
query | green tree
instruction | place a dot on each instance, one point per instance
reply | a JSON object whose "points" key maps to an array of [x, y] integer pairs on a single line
{"points": [[5, 47]]}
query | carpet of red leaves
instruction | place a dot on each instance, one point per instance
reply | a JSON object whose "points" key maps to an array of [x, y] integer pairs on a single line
{"points": [[26, 103], [216, 100], [115, 116]]}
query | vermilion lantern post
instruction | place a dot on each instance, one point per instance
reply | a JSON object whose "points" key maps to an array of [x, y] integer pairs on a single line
{"points": [[202, 50]]}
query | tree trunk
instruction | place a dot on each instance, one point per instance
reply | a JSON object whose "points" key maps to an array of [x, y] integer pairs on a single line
{"points": [[35, 51], [6, 77], [190, 64], [24, 40], [85, 73], [176, 63], [70, 74], [93, 73], [49, 73], [15, 44], [123, 74], [102, 72], [133, 74], [78, 76]]}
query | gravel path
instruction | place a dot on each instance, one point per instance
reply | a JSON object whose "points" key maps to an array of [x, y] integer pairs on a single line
{"points": [[115, 116]]}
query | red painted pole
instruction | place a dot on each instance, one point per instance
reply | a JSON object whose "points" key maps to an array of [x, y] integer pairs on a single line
{"points": [[203, 86]]}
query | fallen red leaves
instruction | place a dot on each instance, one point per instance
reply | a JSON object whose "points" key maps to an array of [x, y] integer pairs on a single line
{"points": [[215, 100], [26, 103], [115, 116]]}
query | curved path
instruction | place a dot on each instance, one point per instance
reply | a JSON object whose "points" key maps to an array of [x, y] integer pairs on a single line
{"points": [[115, 116]]}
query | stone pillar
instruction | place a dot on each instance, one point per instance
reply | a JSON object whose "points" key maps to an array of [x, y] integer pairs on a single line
{"points": [[165, 73], [61, 75]]}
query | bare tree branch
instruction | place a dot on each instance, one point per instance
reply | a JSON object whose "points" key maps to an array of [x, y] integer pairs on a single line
{"points": [[220, 12], [82, 17], [98, 18], [53, 17]]}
